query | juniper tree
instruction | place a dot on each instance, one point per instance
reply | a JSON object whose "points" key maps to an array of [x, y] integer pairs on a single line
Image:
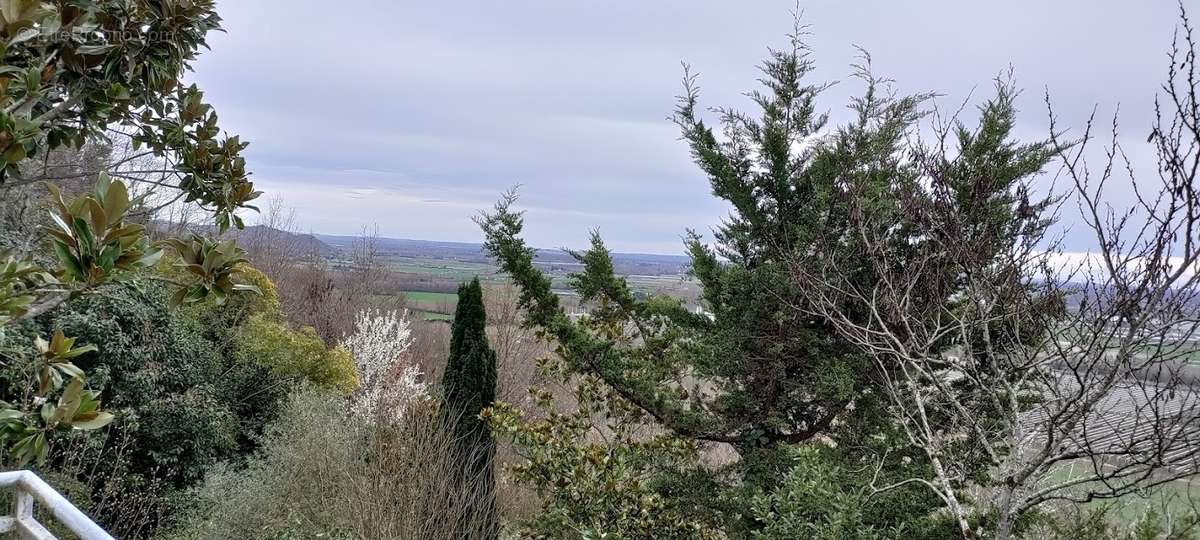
{"points": [[766, 371], [755, 372], [759, 374], [469, 386]]}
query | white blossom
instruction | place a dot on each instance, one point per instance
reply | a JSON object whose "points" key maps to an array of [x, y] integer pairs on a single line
{"points": [[379, 344]]}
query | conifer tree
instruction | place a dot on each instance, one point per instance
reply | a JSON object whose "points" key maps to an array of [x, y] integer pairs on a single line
{"points": [[778, 375], [469, 387], [760, 371]]}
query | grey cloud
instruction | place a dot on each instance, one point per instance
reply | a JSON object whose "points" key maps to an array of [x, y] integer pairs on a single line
{"points": [[457, 101]]}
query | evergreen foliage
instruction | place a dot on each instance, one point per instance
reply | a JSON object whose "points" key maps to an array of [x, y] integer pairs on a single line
{"points": [[764, 373], [70, 72], [470, 379], [469, 386], [781, 376], [822, 219], [297, 354], [773, 376], [191, 387], [75, 69]]}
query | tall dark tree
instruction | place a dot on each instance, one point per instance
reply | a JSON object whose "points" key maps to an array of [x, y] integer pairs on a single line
{"points": [[469, 387]]}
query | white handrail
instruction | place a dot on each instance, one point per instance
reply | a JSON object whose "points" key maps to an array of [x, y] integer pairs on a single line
{"points": [[28, 489]]}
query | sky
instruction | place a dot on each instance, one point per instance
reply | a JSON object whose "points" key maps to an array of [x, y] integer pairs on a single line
{"points": [[415, 115]]}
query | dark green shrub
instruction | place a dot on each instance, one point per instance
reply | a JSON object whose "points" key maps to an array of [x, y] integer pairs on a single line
{"points": [[183, 402]]}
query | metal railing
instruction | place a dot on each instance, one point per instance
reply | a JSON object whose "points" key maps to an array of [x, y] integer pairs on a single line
{"points": [[28, 490]]}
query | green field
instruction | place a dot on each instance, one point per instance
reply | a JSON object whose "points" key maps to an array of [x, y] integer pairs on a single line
{"points": [[431, 306], [421, 274], [421, 297], [1173, 497], [450, 270]]}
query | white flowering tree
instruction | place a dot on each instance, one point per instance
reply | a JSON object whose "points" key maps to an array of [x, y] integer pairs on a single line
{"points": [[379, 344]]}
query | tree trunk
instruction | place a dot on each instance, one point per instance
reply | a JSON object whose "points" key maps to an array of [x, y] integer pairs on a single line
{"points": [[1004, 524], [1004, 528], [951, 499]]}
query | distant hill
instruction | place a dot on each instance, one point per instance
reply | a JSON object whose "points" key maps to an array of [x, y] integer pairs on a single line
{"points": [[624, 263], [306, 243]]}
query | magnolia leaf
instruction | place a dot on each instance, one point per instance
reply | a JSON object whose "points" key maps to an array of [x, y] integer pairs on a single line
{"points": [[41, 449], [116, 202], [79, 351], [179, 296], [92, 420], [124, 231], [150, 259], [103, 181], [219, 295], [99, 218], [245, 287], [69, 262], [90, 404], [63, 225], [58, 342], [42, 345], [84, 232], [69, 369], [22, 451]]}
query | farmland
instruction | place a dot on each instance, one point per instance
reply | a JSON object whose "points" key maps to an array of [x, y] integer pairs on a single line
{"points": [[427, 273], [431, 306]]}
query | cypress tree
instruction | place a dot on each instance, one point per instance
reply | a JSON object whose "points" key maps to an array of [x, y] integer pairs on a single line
{"points": [[469, 387]]}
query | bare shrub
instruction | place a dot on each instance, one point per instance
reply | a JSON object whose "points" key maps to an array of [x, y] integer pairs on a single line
{"points": [[430, 348], [95, 472], [366, 271], [323, 472], [517, 352], [308, 292], [517, 348], [309, 297], [315, 291], [274, 245]]}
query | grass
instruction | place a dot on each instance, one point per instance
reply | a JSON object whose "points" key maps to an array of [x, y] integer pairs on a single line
{"points": [[430, 316], [1174, 497], [422, 297], [431, 303], [431, 306], [463, 271]]}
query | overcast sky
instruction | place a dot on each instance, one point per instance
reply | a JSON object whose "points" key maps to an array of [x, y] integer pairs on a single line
{"points": [[413, 115]]}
